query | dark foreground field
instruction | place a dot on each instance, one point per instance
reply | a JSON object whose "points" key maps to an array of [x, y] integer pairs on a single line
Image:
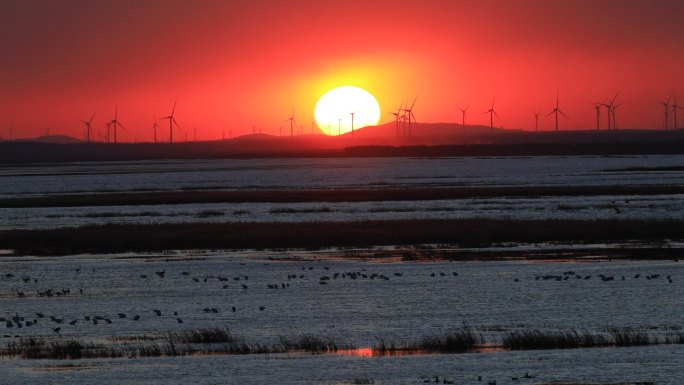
{"points": [[637, 239]]}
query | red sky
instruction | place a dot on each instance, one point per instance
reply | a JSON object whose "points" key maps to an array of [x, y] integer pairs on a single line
{"points": [[233, 65]]}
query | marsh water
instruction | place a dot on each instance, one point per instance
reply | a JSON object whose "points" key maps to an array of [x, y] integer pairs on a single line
{"points": [[415, 300], [265, 295], [363, 173]]}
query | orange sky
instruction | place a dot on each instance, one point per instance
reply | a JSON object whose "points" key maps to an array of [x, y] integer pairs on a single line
{"points": [[234, 65]]}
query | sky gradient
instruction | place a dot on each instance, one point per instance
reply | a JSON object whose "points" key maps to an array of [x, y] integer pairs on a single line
{"points": [[233, 66]]}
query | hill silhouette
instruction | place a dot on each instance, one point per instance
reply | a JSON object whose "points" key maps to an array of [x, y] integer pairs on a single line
{"points": [[427, 139]]}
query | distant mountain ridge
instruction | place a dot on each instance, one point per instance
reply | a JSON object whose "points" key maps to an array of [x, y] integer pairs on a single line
{"points": [[427, 139]]}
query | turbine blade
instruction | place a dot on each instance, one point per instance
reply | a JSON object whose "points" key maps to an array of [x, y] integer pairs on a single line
{"points": [[561, 112], [174, 107], [414, 102], [550, 113]]}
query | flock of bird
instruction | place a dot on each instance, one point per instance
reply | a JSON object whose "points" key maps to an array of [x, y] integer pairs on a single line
{"points": [[238, 282], [445, 380], [566, 275]]}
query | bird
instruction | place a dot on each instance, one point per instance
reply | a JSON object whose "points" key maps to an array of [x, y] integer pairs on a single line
{"points": [[157, 312], [57, 329]]}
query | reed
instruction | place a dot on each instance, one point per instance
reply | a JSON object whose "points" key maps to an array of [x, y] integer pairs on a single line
{"points": [[312, 343], [453, 341], [554, 339], [631, 337], [459, 340]]}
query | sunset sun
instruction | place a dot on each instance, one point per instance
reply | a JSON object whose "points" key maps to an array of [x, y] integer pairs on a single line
{"points": [[336, 109]]}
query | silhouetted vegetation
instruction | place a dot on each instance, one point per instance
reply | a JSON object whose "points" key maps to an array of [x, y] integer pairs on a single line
{"points": [[223, 341], [453, 341], [312, 343], [113, 238], [567, 339], [180, 343]]}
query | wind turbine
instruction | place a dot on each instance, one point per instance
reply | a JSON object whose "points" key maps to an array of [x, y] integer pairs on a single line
{"points": [[556, 111], [352, 122], [109, 125], [154, 127], [408, 112], [396, 117], [115, 122], [667, 111], [492, 113], [675, 107], [597, 107], [611, 111], [172, 121], [292, 122], [614, 107], [89, 129], [463, 115]]}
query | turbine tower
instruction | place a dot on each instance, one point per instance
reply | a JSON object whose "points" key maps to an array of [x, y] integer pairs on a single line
{"points": [[115, 122], [172, 121], [556, 111], [89, 129], [463, 115], [492, 113], [352, 122], [597, 107], [675, 107], [408, 112], [108, 125], [536, 121], [154, 127], [292, 122]]}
